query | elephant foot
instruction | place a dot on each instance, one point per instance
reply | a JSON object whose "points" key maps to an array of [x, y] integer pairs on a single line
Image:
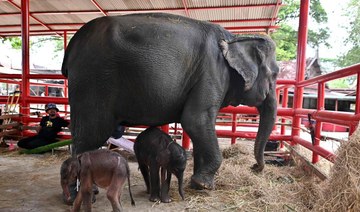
{"points": [[154, 198], [165, 199], [199, 182], [257, 168]]}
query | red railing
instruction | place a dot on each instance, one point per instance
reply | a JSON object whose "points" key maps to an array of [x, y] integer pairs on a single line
{"points": [[320, 115]]}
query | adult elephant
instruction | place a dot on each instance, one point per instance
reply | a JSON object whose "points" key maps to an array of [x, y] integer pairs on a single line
{"points": [[153, 69]]}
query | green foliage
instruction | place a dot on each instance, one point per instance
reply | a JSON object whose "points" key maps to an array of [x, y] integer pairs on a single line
{"points": [[352, 56], [286, 37], [286, 40], [58, 42], [14, 41], [339, 83]]}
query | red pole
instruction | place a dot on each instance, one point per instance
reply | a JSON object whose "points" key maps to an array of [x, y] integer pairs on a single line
{"points": [[65, 81], [165, 128], [357, 105], [25, 45], [285, 99], [233, 128], [185, 141], [318, 126], [300, 63]]}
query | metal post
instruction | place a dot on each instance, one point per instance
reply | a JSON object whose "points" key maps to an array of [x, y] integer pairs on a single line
{"points": [[285, 99], [25, 45], [318, 126], [233, 128], [185, 141], [300, 64]]}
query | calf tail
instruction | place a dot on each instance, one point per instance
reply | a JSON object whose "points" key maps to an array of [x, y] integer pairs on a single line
{"points": [[128, 177]]}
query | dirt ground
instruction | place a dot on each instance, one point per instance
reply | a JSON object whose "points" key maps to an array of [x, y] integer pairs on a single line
{"points": [[32, 183]]}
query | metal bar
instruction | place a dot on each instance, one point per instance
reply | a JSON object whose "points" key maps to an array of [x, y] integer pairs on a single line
{"points": [[33, 76], [86, 12], [184, 2], [276, 10], [233, 127], [345, 72], [318, 126], [251, 135], [97, 5], [301, 62], [185, 141], [25, 55], [30, 14], [340, 118], [317, 149], [81, 24], [285, 99], [285, 82], [357, 106]]}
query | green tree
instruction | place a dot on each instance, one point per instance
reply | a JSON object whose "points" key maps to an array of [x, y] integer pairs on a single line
{"points": [[351, 57], [286, 37]]}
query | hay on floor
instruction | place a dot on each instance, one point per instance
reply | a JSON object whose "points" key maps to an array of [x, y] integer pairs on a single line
{"points": [[239, 189], [342, 190]]}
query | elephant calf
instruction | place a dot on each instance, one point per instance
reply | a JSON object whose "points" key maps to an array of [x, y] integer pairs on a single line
{"points": [[104, 168], [155, 149]]}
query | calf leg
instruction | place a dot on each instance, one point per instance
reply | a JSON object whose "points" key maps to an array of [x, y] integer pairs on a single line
{"points": [[77, 202], [154, 180], [165, 186], [145, 173], [86, 190], [113, 194]]}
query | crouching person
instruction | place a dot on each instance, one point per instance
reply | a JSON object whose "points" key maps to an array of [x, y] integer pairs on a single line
{"points": [[104, 168]]}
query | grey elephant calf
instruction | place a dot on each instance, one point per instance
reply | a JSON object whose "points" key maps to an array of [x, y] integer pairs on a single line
{"points": [[155, 149], [104, 168]]}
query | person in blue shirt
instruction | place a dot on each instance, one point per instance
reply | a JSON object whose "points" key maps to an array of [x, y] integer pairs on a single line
{"points": [[50, 126]]}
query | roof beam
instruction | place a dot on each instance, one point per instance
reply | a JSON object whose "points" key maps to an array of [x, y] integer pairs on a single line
{"points": [[80, 24], [86, 12], [19, 8], [99, 7], [184, 2]]}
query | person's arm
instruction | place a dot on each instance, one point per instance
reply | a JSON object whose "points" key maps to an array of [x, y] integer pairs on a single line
{"points": [[42, 124]]}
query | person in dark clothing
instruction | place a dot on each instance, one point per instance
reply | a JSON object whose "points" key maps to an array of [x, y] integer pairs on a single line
{"points": [[50, 126]]}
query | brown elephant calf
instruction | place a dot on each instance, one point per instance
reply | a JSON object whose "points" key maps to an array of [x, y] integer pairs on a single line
{"points": [[104, 168]]}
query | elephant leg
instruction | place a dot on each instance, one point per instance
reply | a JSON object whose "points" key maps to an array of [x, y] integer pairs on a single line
{"points": [[165, 187], [77, 202], [200, 126], [113, 194], [145, 173], [154, 181], [87, 196], [89, 127]]}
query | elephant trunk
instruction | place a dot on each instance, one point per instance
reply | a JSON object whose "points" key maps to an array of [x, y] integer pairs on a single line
{"points": [[180, 177], [268, 113]]}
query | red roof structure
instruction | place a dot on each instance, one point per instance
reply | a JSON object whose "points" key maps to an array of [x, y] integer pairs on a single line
{"points": [[51, 17]]}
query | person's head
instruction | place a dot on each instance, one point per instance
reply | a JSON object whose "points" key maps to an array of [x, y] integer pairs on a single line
{"points": [[51, 109]]}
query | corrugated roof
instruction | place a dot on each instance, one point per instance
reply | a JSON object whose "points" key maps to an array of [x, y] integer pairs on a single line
{"points": [[56, 17]]}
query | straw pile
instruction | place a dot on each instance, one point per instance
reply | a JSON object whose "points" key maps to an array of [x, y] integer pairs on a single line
{"points": [[342, 190], [238, 188]]}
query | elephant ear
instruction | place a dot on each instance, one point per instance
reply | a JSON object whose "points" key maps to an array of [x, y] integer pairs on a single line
{"points": [[243, 58]]}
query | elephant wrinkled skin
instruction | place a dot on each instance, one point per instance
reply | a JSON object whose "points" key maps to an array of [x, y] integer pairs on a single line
{"points": [[155, 151], [153, 69]]}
